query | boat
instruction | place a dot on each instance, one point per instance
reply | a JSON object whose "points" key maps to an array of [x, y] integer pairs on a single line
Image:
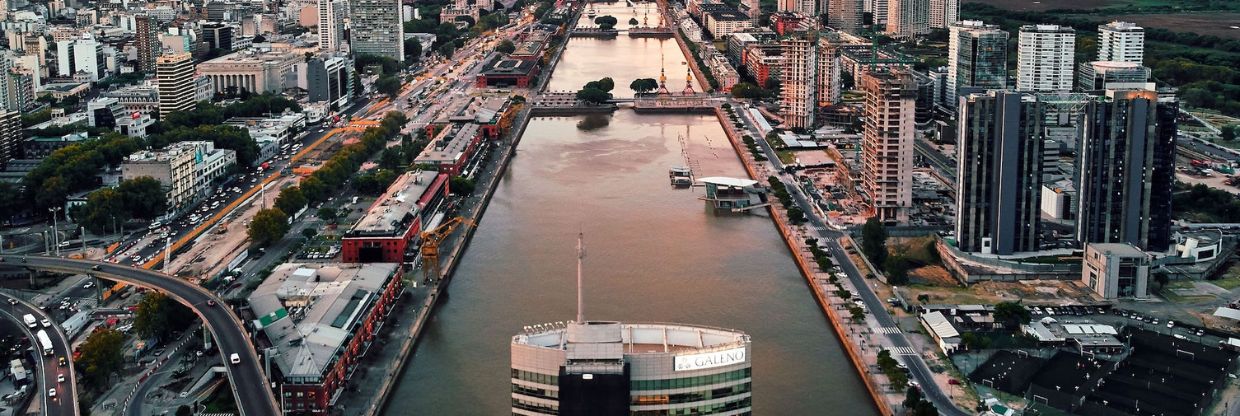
{"points": [[681, 176]]}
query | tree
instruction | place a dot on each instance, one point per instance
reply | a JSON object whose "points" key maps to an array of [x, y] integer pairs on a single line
{"points": [[1228, 132], [897, 269], [923, 298], [745, 90], [1162, 280], [160, 316], [644, 85], [874, 241], [101, 355], [143, 197], [291, 199], [309, 232], [633, 21], [328, 214], [460, 185], [10, 201], [912, 397], [268, 226], [389, 85], [413, 49], [606, 22], [606, 84], [104, 209], [593, 95], [506, 47], [1012, 313], [925, 408]]}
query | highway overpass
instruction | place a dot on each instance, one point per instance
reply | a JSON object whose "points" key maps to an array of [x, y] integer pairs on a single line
{"points": [[249, 384], [65, 403]]}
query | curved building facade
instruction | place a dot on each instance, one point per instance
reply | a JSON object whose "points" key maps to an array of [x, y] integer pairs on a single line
{"points": [[611, 368]]}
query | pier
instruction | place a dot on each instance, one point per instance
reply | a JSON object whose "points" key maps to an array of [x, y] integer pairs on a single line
{"points": [[652, 32], [593, 32], [675, 103]]}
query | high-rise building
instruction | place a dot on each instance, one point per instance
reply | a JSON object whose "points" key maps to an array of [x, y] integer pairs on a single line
{"points": [[146, 40], [218, 35], [330, 80], [1127, 169], [606, 368], [1101, 75], [999, 172], [944, 13], [1121, 42], [907, 19], [10, 135], [331, 25], [88, 57], [976, 57], [798, 100], [376, 29], [753, 9], [845, 15], [175, 74], [887, 142], [828, 89], [64, 58], [878, 10], [1046, 54]]}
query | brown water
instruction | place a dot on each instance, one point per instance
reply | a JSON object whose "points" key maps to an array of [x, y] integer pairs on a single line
{"points": [[655, 254]]}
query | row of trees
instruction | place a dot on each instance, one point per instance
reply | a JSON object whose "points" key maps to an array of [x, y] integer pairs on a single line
{"points": [[795, 214], [269, 225]]}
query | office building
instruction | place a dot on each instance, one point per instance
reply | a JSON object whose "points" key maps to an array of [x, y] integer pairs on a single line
{"points": [[887, 142], [606, 368], [146, 40], [320, 320], [394, 222], [88, 58], [1116, 271], [375, 29], [1102, 75], [218, 35], [1121, 42], [944, 13], [907, 19], [845, 15], [999, 172], [976, 57], [798, 98], [331, 25], [1045, 58], [1127, 169], [878, 8], [103, 112], [330, 79], [175, 75]]}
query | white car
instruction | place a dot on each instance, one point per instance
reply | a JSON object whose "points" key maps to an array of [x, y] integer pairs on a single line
{"points": [[60, 378], [51, 393], [46, 323], [234, 358]]}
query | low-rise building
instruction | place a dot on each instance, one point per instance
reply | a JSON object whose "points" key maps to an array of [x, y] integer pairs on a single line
{"points": [[946, 336], [1116, 270], [321, 319], [37, 147], [186, 169], [1082, 334], [136, 98], [451, 148], [135, 124], [491, 114], [722, 23], [395, 220], [507, 72], [253, 71]]}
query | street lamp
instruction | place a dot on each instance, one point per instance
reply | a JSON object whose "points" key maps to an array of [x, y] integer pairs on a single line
{"points": [[55, 230]]}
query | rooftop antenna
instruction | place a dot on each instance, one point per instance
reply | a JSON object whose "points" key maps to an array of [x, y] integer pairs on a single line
{"points": [[581, 254]]}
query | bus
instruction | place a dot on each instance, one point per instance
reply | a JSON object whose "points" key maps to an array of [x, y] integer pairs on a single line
{"points": [[45, 342]]}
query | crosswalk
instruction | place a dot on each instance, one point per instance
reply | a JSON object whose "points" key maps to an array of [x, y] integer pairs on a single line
{"points": [[820, 228], [904, 351], [889, 330]]}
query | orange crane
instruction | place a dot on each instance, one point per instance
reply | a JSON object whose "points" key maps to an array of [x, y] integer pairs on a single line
{"points": [[430, 246]]}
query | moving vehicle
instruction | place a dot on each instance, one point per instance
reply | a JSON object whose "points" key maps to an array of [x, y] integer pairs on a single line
{"points": [[30, 321], [51, 393], [46, 323], [234, 358], [60, 378], [44, 342]]}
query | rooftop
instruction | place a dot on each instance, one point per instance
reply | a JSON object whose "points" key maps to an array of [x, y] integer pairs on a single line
{"points": [[636, 338], [505, 66], [449, 144], [392, 213], [308, 311]]}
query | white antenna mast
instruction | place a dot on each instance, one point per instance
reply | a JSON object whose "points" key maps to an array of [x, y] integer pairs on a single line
{"points": [[581, 254]]}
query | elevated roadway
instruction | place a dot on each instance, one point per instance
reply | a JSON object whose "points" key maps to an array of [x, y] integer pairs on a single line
{"points": [[249, 384], [48, 366]]}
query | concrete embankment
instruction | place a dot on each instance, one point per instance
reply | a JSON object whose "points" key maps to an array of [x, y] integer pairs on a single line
{"points": [[807, 271]]}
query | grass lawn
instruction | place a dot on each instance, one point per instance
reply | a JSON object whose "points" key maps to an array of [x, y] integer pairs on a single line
{"points": [[1229, 282], [786, 156]]}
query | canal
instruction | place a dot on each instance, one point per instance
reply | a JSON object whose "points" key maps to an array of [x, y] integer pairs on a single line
{"points": [[654, 254]]}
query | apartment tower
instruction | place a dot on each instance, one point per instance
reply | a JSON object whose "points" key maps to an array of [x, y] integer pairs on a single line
{"points": [[976, 57], [1045, 58], [1121, 42], [798, 98], [887, 141], [175, 74]]}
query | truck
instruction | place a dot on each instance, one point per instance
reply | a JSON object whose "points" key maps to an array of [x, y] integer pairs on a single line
{"points": [[30, 321], [44, 342]]}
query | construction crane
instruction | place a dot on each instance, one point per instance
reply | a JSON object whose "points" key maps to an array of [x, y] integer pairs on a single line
{"points": [[430, 245]]}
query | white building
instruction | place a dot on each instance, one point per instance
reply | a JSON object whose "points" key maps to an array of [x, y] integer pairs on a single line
{"points": [[943, 13], [1046, 57], [87, 57], [331, 25], [1121, 42], [907, 19]]}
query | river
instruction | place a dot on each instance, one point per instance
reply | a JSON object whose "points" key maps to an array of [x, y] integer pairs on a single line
{"points": [[654, 254]]}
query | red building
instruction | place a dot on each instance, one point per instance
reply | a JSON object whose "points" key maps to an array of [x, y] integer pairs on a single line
{"points": [[507, 72], [394, 221], [321, 318], [452, 148], [786, 22]]}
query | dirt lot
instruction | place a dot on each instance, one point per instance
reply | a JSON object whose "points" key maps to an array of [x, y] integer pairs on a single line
{"points": [[1217, 24], [1031, 292]]}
